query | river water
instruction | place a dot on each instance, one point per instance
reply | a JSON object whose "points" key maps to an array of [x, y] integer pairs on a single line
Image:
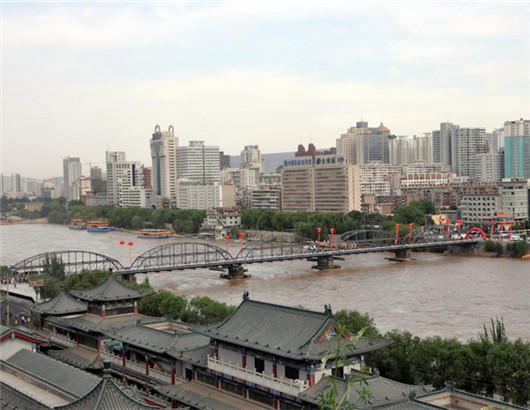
{"points": [[443, 295]]}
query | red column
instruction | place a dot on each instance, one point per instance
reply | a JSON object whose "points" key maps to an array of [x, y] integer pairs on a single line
{"points": [[99, 345], [123, 358], [244, 361], [135, 308], [311, 379], [217, 383], [77, 338], [103, 311], [245, 393], [216, 353], [276, 404], [173, 375], [146, 366], [275, 370]]}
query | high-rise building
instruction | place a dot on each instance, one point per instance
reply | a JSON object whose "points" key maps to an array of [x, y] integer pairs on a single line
{"points": [[363, 144], [466, 144], [16, 185], [199, 163], [326, 184], [164, 146], [442, 142], [251, 157], [72, 173], [125, 181], [517, 149]]}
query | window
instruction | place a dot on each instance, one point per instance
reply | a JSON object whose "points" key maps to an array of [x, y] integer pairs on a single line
{"points": [[291, 372], [259, 364]]}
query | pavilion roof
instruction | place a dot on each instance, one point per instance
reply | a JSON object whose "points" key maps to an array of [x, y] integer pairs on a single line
{"points": [[111, 290], [383, 392], [61, 304], [89, 322], [106, 395], [285, 331]]}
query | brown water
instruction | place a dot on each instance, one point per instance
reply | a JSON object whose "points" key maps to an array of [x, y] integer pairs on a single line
{"points": [[432, 295]]}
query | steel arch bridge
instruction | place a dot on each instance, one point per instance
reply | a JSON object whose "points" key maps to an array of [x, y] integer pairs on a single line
{"points": [[181, 253], [74, 262]]}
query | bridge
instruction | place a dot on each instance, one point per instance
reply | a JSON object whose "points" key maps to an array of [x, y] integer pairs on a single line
{"points": [[194, 255]]}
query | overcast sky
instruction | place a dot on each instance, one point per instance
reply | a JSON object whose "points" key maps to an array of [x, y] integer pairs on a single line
{"points": [[80, 78]]}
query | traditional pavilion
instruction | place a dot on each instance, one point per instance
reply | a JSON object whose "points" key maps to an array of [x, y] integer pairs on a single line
{"points": [[272, 353]]}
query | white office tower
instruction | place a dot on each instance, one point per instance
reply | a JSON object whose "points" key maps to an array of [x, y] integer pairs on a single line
{"points": [[164, 146], [466, 144], [363, 144], [124, 181], [442, 142], [251, 157], [199, 163], [72, 175]]}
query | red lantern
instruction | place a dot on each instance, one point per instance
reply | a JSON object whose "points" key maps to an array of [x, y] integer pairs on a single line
{"points": [[122, 242], [332, 231], [131, 243]]}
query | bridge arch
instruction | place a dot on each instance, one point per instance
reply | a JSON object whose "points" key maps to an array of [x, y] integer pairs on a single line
{"points": [[180, 253], [74, 262], [365, 238], [279, 246], [482, 233]]}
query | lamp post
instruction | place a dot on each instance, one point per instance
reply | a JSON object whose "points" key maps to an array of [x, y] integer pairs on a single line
{"points": [[319, 230], [510, 223], [443, 226], [410, 232], [241, 237], [448, 228], [500, 231], [332, 231], [397, 234], [459, 224], [130, 247], [492, 228], [227, 239]]}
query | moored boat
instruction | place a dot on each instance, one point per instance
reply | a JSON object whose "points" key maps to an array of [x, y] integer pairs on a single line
{"points": [[153, 233], [97, 226], [78, 224]]}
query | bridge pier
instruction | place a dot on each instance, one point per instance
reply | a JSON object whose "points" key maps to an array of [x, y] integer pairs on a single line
{"points": [[401, 255], [325, 262], [235, 272]]}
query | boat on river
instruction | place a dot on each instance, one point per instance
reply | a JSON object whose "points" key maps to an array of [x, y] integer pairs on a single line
{"points": [[77, 224], [100, 225], [153, 233]]}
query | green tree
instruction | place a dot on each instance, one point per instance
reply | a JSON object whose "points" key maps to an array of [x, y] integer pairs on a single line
{"points": [[54, 266], [354, 321], [203, 311], [163, 303]]}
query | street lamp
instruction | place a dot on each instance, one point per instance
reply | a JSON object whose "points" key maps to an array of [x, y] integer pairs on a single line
{"points": [[492, 228], [397, 234], [500, 230], [459, 223], [227, 239], [241, 237], [332, 231], [130, 247], [510, 223], [410, 232], [319, 230]]}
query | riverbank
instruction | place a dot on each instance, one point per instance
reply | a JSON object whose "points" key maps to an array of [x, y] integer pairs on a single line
{"points": [[24, 221]]}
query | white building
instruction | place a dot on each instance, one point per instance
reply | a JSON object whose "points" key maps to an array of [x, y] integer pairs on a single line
{"points": [[205, 196], [72, 172], [123, 175], [164, 146], [251, 156], [479, 208], [363, 144], [442, 142], [514, 199], [199, 163], [376, 178], [465, 145]]}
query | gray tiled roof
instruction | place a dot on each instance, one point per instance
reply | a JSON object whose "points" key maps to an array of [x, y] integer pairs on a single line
{"points": [[384, 392], [62, 304], [95, 323], [111, 290], [13, 399], [283, 331], [106, 396], [74, 381], [24, 331], [202, 396], [145, 337], [79, 356], [198, 357]]}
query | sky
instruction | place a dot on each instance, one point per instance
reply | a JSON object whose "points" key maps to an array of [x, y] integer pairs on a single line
{"points": [[81, 78]]}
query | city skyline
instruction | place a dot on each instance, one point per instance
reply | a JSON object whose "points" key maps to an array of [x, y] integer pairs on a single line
{"points": [[83, 78]]}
